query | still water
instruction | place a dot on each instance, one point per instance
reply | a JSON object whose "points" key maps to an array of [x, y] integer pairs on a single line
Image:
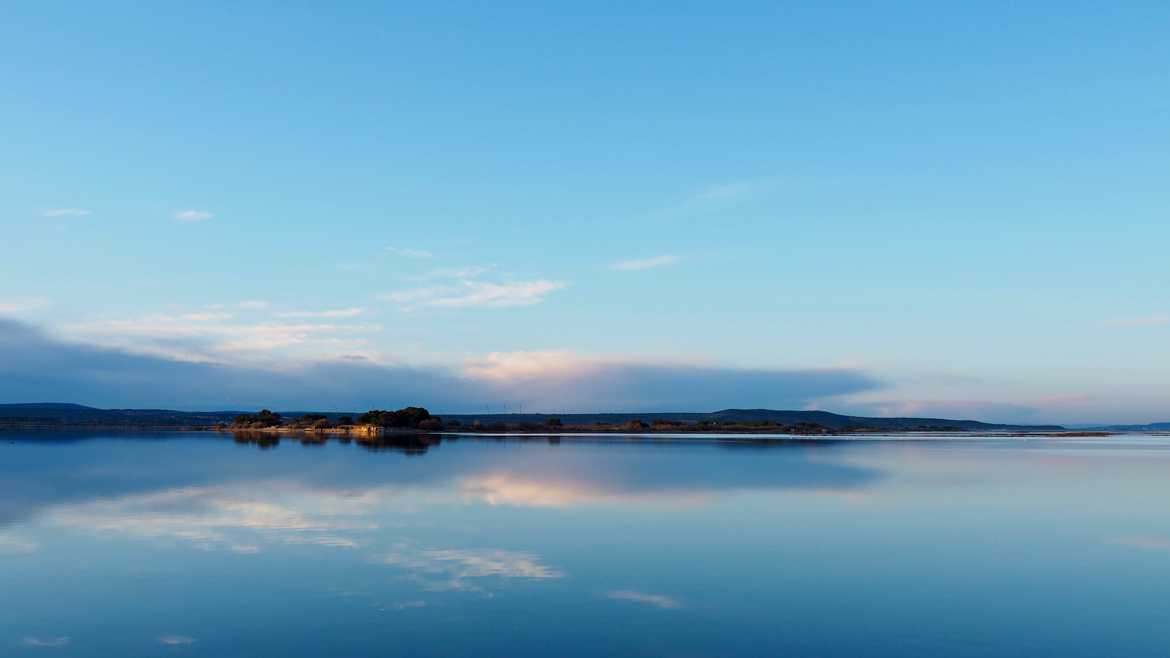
{"points": [[198, 545]]}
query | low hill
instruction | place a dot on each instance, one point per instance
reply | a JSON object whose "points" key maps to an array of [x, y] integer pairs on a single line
{"points": [[824, 418], [76, 415], [1148, 427]]}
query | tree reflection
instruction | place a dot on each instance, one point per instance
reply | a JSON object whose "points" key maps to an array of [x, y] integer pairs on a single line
{"points": [[262, 440]]}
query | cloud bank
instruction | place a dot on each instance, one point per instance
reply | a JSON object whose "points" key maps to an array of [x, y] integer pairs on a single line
{"points": [[38, 367]]}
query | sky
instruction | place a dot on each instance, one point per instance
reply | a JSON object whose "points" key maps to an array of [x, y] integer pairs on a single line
{"points": [[908, 208]]}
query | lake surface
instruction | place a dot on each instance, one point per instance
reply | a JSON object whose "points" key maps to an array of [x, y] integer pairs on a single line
{"points": [[194, 544]]}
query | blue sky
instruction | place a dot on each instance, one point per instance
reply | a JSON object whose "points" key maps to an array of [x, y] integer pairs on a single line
{"points": [[966, 208]]}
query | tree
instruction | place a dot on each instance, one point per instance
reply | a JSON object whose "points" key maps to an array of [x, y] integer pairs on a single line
{"points": [[407, 417], [265, 418]]}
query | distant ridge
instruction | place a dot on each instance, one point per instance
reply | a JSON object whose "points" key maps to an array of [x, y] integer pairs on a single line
{"points": [[825, 418], [56, 414], [1147, 427]]}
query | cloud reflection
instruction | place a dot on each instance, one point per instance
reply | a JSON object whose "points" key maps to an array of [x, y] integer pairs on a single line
{"points": [[218, 518], [16, 545], [448, 569], [47, 642], [502, 488], [634, 596]]}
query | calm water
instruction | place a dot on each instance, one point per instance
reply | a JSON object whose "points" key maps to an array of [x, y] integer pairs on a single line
{"points": [[145, 545]]}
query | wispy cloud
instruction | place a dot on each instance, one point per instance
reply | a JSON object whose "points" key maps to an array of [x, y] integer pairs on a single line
{"points": [[352, 312], [253, 304], [407, 252], [193, 215], [67, 212], [210, 335], [1152, 320], [468, 272], [23, 304], [206, 316], [176, 640], [330, 542], [732, 190], [475, 294], [644, 263], [47, 642], [633, 596]]}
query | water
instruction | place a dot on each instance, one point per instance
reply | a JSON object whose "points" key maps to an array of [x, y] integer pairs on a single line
{"points": [[191, 544]]}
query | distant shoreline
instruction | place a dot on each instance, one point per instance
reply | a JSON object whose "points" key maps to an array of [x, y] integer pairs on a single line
{"points": [[750, 422], [372, 432]]}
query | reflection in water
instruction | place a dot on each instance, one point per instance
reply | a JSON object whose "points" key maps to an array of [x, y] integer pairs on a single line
{"points": [[589, 472], [46, 642], [409, 443], [215, 518], [455, 570], [656, 600], [524, 547]]}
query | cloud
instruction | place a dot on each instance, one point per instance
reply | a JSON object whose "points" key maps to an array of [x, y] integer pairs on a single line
{"points": [[193, 215], [205, 316], [23, 304], [35, 366], [732, 190], [1152, 320], [475, 294], [656, 600], [644, 263], [209, 336], [67, 212], [330, 542], [334, 313], [176, 640], [253, 304], [47, 642], [467, 272], [568, 382], [418, 254]]}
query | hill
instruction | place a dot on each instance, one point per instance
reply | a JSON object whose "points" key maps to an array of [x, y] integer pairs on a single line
{"points": [[837, 422]]}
